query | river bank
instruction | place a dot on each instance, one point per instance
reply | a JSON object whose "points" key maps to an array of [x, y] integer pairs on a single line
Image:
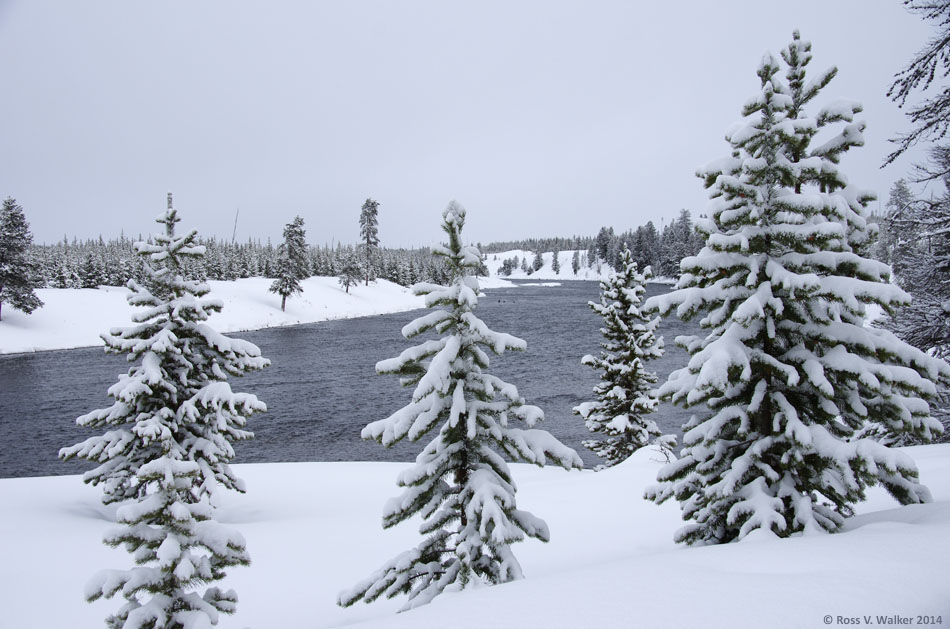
{"points": [[75, 317]]}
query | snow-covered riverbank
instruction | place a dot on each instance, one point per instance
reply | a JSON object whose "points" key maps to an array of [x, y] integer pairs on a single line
{"points": [[76, 317], [313, 529]]}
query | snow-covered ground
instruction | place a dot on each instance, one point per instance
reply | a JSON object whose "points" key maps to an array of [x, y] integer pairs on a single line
{"points": [[76, 317], [314, 528]]}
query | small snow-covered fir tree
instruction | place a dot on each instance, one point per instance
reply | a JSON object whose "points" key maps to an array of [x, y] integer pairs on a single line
{"points": [[538, 261], [293, 263], [168, 445], [625, 396], [461, 485], [788, 373], [287, 284], [90, 273], [350, 272], [16, 284]]}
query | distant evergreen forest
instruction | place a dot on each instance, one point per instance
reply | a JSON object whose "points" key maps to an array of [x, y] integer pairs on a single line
{"points": [[90, 263], [94, 262], [661, 250]]}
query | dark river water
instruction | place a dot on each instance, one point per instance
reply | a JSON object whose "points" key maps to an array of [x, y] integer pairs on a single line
{"points": [[321, 387]]}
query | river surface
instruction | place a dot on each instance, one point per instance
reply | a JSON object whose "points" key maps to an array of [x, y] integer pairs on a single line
{"points": [[321, 388]]}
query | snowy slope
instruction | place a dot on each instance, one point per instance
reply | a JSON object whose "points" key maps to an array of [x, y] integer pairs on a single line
{"points": [[546, 272], [314, 528], [76, 317]]}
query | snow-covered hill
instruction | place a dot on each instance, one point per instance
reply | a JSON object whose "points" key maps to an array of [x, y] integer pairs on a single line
{"points": [[76, 317], [495, 260], [598, 271], [314, 528]]}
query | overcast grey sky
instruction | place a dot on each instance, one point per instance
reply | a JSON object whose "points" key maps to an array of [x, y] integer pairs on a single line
{"points": [[542, 118]]}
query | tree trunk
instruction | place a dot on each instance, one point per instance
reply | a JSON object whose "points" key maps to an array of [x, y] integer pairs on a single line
{"points": [[283, 303]]}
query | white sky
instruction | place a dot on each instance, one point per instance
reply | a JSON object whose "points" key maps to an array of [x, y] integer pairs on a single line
{"points": [[543, 118]]}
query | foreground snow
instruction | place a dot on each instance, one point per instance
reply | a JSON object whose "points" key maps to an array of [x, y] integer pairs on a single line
{"points": [[314, 528]]}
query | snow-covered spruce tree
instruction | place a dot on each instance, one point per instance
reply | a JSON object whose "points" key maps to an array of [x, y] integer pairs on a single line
{"points": [[625, 396], [350, 272], [168, 445], [287, 283], [293, 262], [460, 484], [16, 283], [538, 261], [369, 232], [90, 273], [788, 374]]}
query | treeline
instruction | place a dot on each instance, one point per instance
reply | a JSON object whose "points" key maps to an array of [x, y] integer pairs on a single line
{"points": [[539, 244], [95, 262]]}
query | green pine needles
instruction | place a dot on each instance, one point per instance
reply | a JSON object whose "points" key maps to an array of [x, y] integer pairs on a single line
{"points": [[16, 272], [788, 375]]}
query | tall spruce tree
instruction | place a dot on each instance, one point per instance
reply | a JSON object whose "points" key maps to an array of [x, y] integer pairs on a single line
{"points": [[16, 274], [369, 232], [168, 446], [461, 485], [625, 396], [788, 373], [293, 262]]}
